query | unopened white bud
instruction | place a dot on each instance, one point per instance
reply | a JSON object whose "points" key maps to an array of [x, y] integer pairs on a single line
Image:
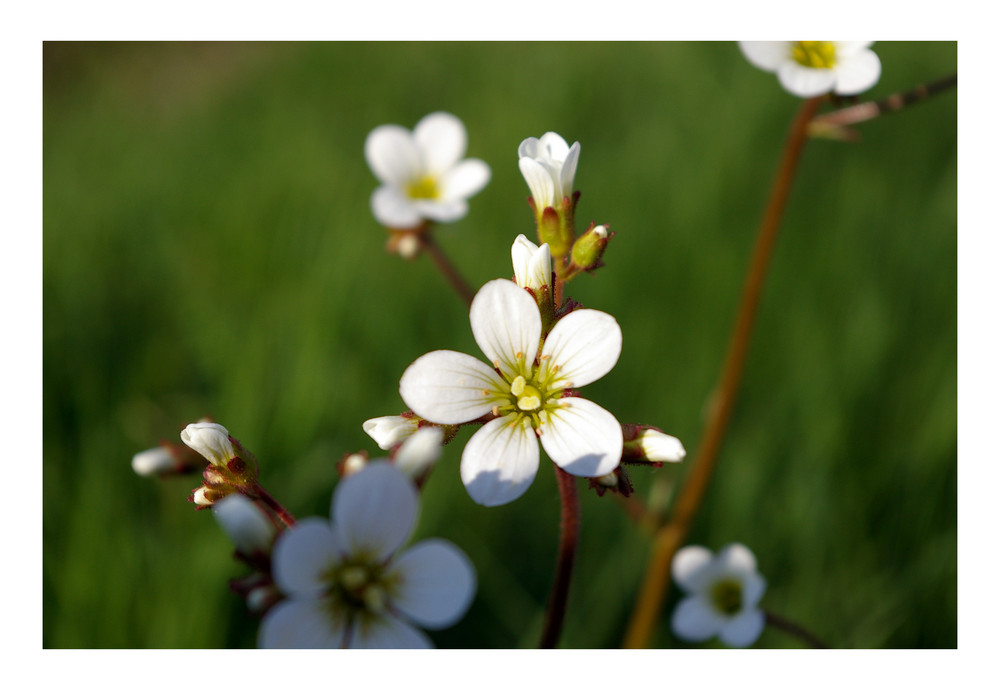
{"points": [[389, 431], [247, 527], [153, 462], [210, 440], [608, 480], [660, 447], [200, 497], [354, 464], [532, 264], [420, 451]]}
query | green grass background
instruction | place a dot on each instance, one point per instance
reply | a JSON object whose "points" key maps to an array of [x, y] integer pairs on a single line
{"points": [[209, 250]]}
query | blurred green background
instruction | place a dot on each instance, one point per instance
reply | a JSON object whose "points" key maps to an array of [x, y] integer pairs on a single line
{"points": [[209, 250]]}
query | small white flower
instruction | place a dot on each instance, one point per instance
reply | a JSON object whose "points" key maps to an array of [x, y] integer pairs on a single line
{"points": [[247, 527], [723, 593], [422, 172], [523, 388], [419, 452], [532, 264], [549, 166], [812, 68], [347, 586], [388, 431], [660, 447], [211, 440], [154, 461]]}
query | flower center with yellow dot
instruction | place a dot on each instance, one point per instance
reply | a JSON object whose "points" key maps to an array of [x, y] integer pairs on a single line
{"points": [[358, 587], [815, 54], [531, 395], [727, 596], [425, 187]]}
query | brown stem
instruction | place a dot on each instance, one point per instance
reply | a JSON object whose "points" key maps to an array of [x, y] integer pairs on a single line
{"points": [[785, 625], [672, 535], [444, 265], [569, 537], [278, 509]]}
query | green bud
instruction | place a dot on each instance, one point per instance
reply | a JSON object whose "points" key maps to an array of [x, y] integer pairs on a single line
{"points": [[589, 248]]}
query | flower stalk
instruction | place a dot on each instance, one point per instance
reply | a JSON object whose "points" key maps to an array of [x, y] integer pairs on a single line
{"points": [[671, 535], [447, 268], [569, 538], [794, 629]]}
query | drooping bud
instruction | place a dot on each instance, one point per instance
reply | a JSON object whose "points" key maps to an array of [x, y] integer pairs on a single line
{"points": [[418, 453], [390, 431], [211, 440], [648, 444]]}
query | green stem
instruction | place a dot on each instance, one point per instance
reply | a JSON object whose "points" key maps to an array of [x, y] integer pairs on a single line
{"points": [[794, 629]]}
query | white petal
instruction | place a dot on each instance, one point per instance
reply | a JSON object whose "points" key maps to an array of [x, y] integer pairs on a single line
{"points": [[440, 210], [743, 630], [441, 139], [767, 55], [302, 555], [447, 387], [250, 530], [582, 438], [506, 325], [211, 440], [846, 49], [806, 82], [737, 559], [464, 179], [387, 632], [688, 567], [540, 182], [584, 345], [694, 621], [553, 147], [375, 510], [858, 73], [388, 431], [660, 447], [392, 155], [419, 452], [754, 586], [301, 624], [569, 170], [437, 583], [532, 264], [499, 462], [394, 210]]}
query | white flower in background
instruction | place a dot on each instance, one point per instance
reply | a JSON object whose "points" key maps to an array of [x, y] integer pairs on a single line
{"points": [[347, 586], [420, 451], [388, 431], [812, 68], [250, 530], [532, 264], [524, 389], [723, 593], [154, 461], [422, 172], [211, 440], [549, 166], [657, 446]]}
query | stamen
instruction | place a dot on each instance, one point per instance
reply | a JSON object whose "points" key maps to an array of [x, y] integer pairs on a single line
{"points": [[815, 54]]}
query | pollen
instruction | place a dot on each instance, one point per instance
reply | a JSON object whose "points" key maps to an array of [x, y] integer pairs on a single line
{"points": [[815, 54]]}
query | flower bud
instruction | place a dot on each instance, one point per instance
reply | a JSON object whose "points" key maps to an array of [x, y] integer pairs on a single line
{"points": [[532, 264], [211, 440], [419, 452], [589, 248], [649, 444], [353, 463], [247, 527], [390, 431], [153, 462]]}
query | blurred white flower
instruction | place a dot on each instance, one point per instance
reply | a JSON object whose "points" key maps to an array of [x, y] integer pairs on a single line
{"points": [[420, 451], [549, 166], [347, 586], [723, 593], [532, 264], [391, 430], [812, 68], [154, 461], [245, 524], [211, 440], [524, 393], [422, 172]]}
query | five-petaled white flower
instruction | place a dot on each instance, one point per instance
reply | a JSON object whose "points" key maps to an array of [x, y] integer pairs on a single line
{"points": [[523, 390], [723, 593], [812, 68], [347, 586], [422, 172], [549, 166]]}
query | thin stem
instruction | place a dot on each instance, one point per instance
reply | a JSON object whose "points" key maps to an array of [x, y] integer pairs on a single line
{"points": [[785, 625], [672, 535], [444, 265], [278, 509], [569, 537]]}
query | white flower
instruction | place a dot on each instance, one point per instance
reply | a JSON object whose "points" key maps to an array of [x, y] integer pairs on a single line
{"points": [[247, 527], [388, 431], [723, 593], [532, 264], [211, 440], [523, 388], [420, 451], [812, 68], [422, 174], [347, 586], [154, 461], [660, 447], [548, 166]]}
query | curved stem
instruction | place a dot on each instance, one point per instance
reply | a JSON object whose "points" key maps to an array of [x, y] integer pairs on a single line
{"points": [[444, 265], [672, 535], [569, 537], [794, 629], [278, 509]]}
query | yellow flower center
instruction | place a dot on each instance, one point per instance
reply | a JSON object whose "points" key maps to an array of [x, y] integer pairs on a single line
{"points": [[424, 188], [815, 54], [727, 596], [530, 396], [359, 588]]}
